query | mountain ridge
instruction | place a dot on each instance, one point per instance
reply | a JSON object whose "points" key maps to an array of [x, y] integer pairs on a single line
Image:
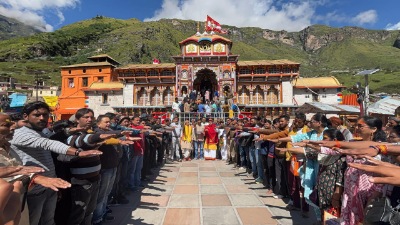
{"points": [[322, 50], [11, 28]]}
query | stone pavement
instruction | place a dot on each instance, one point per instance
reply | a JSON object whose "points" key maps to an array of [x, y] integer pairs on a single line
{"points": [[207, 193]]}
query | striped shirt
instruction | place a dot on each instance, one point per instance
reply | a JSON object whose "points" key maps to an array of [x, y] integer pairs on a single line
{"points": [[89, 167], [33, 148]]}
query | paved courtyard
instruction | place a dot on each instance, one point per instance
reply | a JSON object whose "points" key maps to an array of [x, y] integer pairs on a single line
{"points": [[204, 192]]}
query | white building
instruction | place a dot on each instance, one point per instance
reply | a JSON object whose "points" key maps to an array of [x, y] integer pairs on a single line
{"points": [[318, 89], [102, 97], [52, 91]]}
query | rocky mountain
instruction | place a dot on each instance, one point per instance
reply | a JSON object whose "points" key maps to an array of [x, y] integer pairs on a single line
{"points": [[322, 50], [11, 28]]}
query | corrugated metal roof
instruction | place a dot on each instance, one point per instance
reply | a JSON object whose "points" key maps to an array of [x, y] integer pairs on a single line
{"points": [[266, 62], [350, 99], [348, 108], [148, 66], [315, 107], [313, 82], [91, 64], [386, 106]]}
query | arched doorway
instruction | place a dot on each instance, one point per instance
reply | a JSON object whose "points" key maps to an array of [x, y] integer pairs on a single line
{"points": [[205, 80]]}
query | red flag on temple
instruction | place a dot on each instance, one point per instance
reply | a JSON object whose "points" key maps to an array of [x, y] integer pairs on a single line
{"points": [[212, 25], [156, 61]]}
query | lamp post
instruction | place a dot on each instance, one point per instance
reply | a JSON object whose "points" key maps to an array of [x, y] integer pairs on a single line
{"points": [[37, 86], [37, 79], [365, 92]]}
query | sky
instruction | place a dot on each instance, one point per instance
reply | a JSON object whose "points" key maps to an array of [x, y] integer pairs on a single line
{"points": [[289, 15]]}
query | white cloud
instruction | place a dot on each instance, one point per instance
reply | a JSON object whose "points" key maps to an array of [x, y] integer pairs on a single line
{"points": [[291, 16], [366, 17], [31, 12], [393, 26]]}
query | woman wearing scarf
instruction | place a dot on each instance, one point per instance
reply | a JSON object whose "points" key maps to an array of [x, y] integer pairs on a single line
{"points": [[210, 145], [309, 171], [186, 141]]}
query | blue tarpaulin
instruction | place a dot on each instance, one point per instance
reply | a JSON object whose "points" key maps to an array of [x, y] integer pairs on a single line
{"points": [[17, 100]]}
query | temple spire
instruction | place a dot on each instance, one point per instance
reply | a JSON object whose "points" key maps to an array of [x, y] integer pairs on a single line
{"points": [[198, 29]]}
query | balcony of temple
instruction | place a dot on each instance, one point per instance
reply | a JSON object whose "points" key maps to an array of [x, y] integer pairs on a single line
{"points": [[148, 73], [267, 70]]}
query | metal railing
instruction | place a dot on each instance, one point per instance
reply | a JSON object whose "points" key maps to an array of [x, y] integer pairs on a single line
{"points": [[199, 115]]}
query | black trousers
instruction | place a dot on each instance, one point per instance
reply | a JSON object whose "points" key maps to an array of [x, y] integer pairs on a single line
{"points": [[269, 171], [84, 200], [281, 187]]}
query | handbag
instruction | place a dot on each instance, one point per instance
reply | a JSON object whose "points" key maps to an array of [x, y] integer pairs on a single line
{"points": [[380, 212], [186, 144]]}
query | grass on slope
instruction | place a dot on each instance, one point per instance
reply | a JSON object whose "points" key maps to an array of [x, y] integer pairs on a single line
{"points": [[382, 81]]}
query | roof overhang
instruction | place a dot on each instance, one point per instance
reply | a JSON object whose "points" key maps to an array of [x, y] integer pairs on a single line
{"points": [[318, 107]]}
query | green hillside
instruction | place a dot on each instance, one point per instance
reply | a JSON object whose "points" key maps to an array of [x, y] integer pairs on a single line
{"points": [[322, 50]]}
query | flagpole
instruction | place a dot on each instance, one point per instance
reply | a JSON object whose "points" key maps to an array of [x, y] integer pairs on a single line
{"points": [[205, 26]]}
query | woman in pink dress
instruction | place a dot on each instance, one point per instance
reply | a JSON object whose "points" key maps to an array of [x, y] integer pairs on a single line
{"points": [[358, 190]]}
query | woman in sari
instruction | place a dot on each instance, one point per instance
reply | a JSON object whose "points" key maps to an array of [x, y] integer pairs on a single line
{"points": [[186, 141], [210, 145]]}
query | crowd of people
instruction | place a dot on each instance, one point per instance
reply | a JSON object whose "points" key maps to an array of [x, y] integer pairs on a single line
{"points": [[205, 103], [70, 171]]}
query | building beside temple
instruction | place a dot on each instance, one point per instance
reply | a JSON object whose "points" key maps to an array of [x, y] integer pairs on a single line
{"points": [[205, 63]]}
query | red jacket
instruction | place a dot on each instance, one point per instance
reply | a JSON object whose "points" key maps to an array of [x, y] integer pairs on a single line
{"points": [[138, 146]]}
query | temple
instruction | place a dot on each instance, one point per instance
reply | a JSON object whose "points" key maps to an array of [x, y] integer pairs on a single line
{"points": [[205, 63]]}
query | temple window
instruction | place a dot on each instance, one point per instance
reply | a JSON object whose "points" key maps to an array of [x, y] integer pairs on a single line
{"points": [[104, 98], [84, 70], [295, 70], [273, 69], [286, 70], [140, 73], [244, 71], [166, 73], [71, 83], [260, 70], [153, 73], [100, 70], [84, 82], [128, 74], [100, 79]]}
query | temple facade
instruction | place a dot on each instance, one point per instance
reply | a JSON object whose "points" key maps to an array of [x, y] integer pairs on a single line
{"points": [[205, 63]]}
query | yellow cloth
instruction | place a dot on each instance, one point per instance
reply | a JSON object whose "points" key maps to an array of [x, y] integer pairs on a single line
{"points": [[230, 113], [112, 141], [210, 146], [187, 133]]}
